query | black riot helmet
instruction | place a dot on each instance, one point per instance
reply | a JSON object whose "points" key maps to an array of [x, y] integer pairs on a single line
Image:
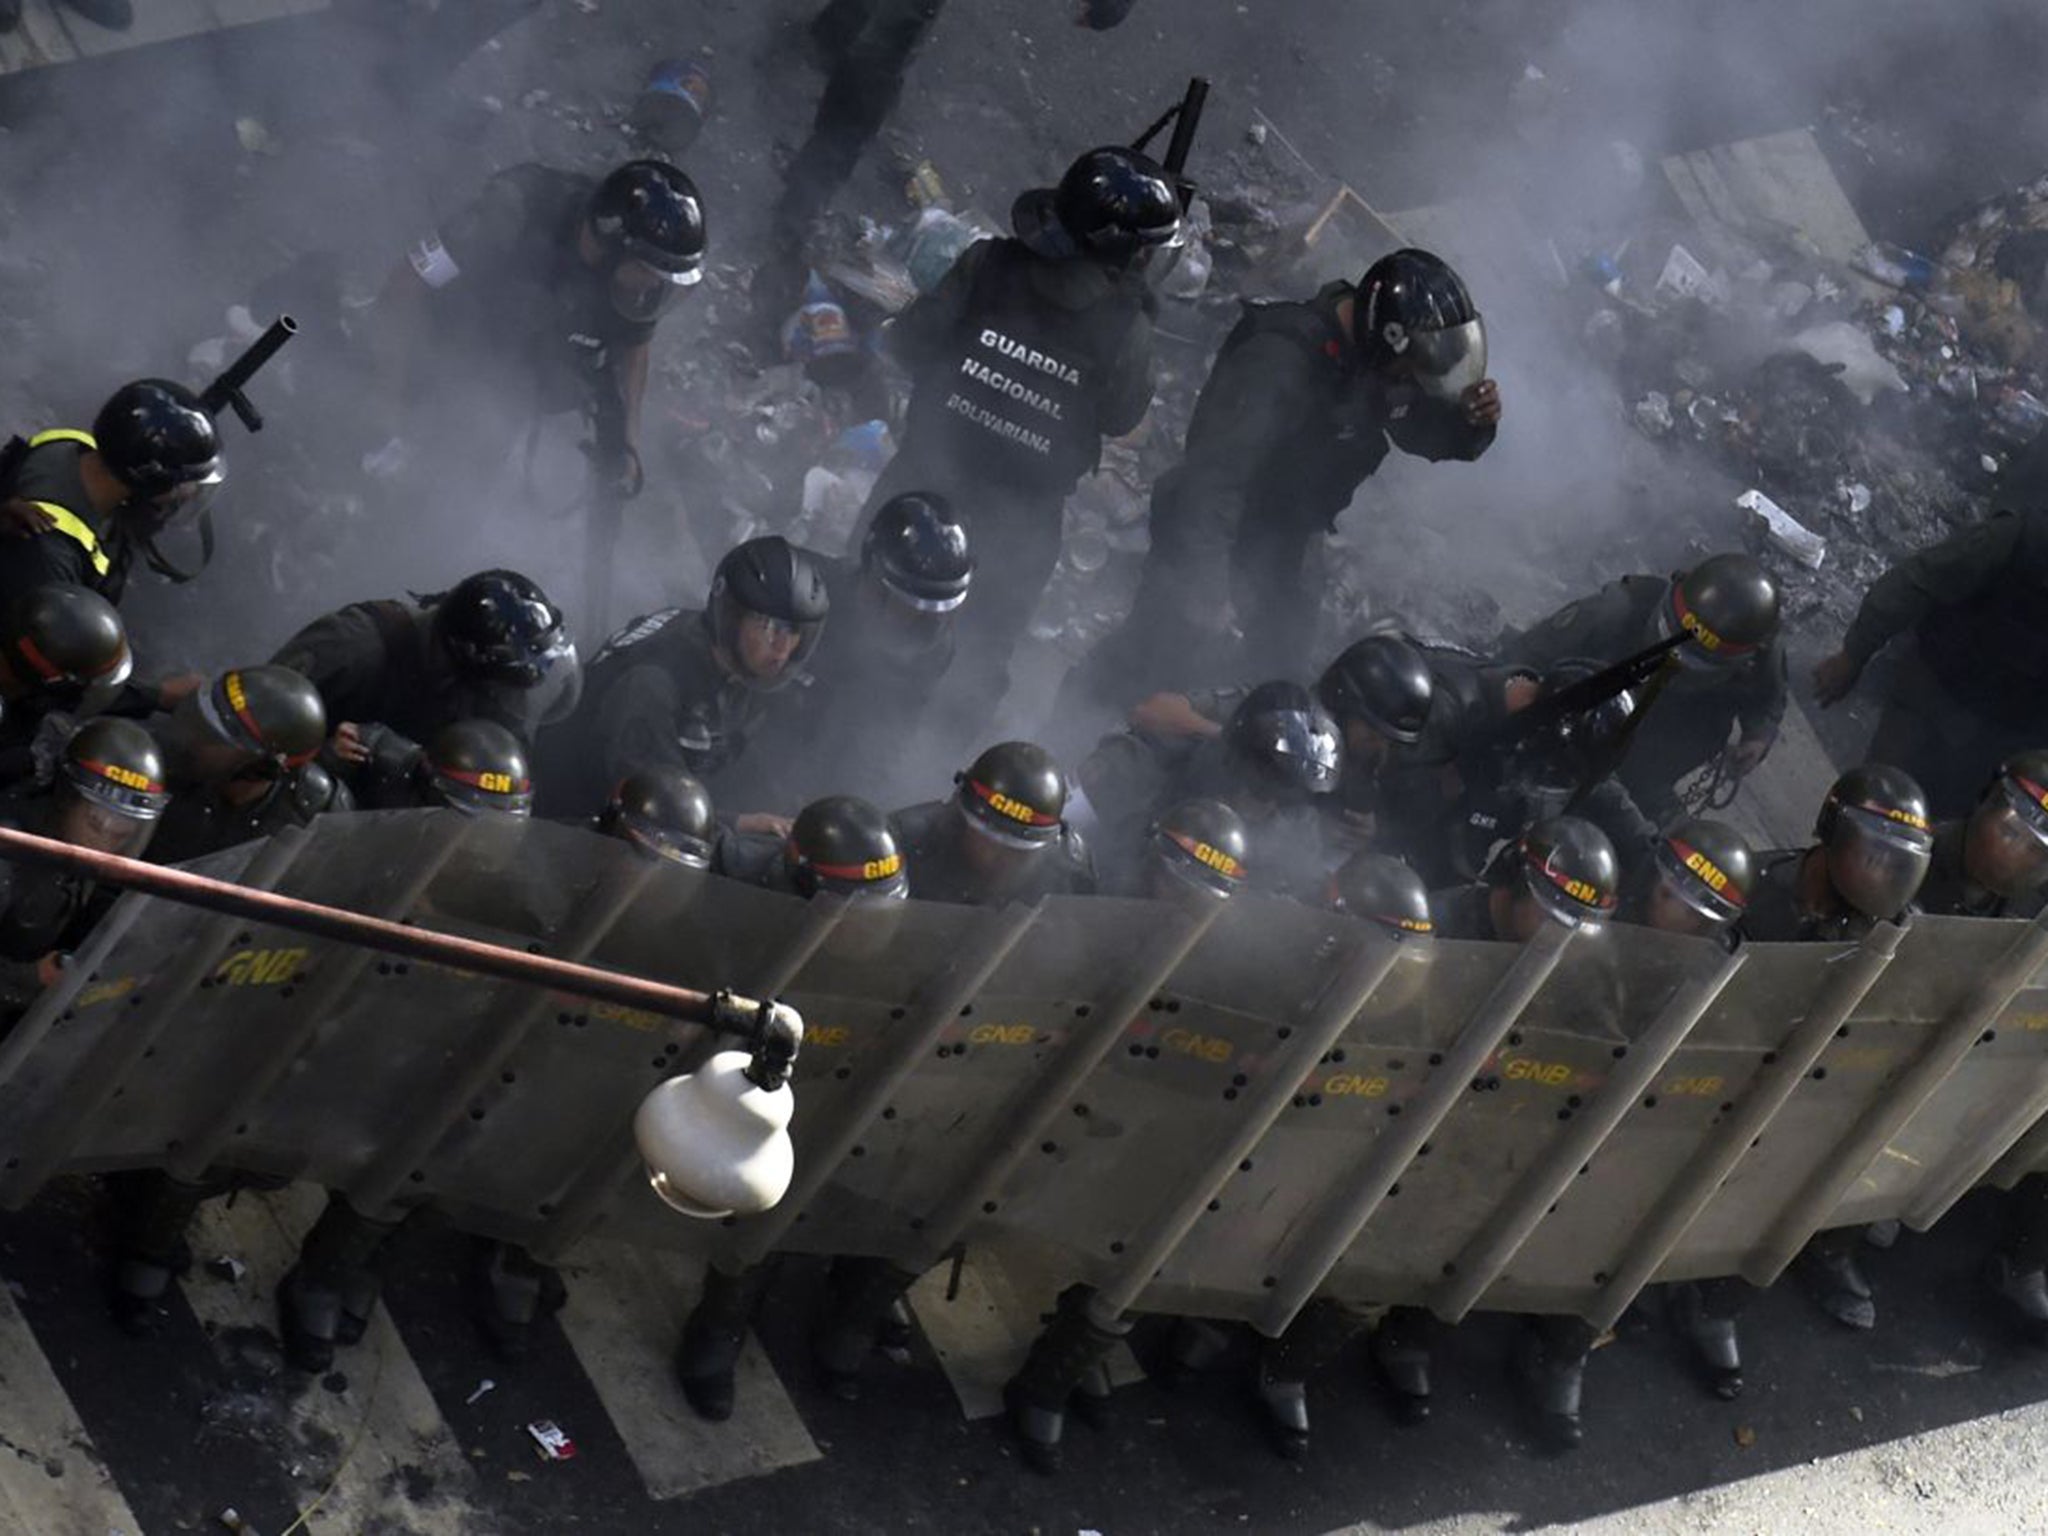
{"points": [[1708, 867], [1203, 844], [845, 846], [1114, 204], [917, 548], [1383, 681], [1878, 839], [157, 440], [1412, 314], [116, 765], [1381, 889], [1283, 744], [60, 640], [1568, 866], [665, 812], [267, 712], [502, 631], [771, 579], [2006, 844], [649, 219], [477, 765], [1015, 794], [1566, 753], [1728, 604]]}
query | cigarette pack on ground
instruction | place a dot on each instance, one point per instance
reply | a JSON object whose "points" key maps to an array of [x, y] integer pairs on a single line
{"points": [[550, 1441]]}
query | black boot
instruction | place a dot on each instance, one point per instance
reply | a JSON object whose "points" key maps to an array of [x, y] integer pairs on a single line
{"points": [[1320, 1332], [327, 1298], [861, 1294], [509, 1291], [151, 1212], [1195, 1348], [1072, 1345], [1828, 1266], [1550, 1372], [1400, 1357], [714, 1336], [1713, 1340], [2022, 1293]]}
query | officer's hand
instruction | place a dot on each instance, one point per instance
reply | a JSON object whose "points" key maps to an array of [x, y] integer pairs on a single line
{"points": [[1482, 404], [177, 688], [1170, 716], [624, 477], [1747, 755], [1834, 677], [348, 744], [24, 520], [49, 968], [762, 821]]}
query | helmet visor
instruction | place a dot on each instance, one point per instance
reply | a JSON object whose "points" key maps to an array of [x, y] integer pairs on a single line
{"points": [[1450, 361], [1196, 863], [664, 842], [84, 822], [1009, 822], [181, 505], [2028, 800], [2007, 853], [1572, 902], [1876, 861], [642, 292], [117, 788], [876, 880], [1708, 650], [767, 651]]}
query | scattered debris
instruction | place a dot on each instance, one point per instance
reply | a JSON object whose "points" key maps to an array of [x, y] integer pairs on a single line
{"points": [[227, 1267], [1745, 1436], [485, 1386], [1785, 530]]}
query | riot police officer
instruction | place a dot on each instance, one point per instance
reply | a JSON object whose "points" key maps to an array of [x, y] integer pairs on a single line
{"points": [[1561, 870], [1379, 691], [1198, 850], [1698, 881], [1994, 863], [1494, 761], [108, 795], [240, 756], [688, 689], [84, 504], [1302, 404], [1873, 843], [1385, 892], [895, 613], [1027, 355], [1000, 837], [1969, 688], [842, 846], [1275, 755], [63, 651], [664, 812], [474, 768], [1728, 676], [493, 647], [550, 282]]}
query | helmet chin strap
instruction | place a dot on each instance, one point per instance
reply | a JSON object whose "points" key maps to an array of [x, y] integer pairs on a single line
{"points": [[162, 564]]}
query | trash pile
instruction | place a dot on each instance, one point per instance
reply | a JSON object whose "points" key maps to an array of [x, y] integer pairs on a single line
{"points": [[1870, 407]]}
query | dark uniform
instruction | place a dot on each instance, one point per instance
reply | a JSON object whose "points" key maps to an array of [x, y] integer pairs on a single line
{"points": [[1948, 889], [1690, 722], [1022, 364], [930, 837], [204, 820], [514, 300], [1778, 911], [657, 696], [866, 692], [377, 662], [1974, 685], [1447, 801], [1287, 428]]}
